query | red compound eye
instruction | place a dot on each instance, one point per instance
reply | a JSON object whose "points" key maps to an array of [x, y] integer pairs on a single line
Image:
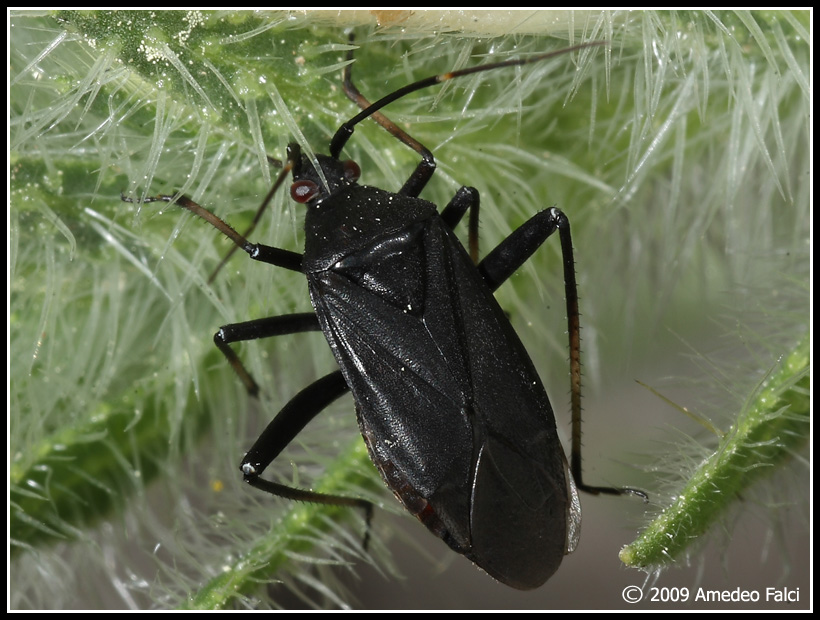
{"points": [[304, 191], [352, 170]]}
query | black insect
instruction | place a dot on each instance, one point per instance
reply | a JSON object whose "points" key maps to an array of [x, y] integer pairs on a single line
{"points": [[451, 408]]}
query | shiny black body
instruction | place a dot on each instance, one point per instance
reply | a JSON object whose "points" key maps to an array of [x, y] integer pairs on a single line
{"points": [[452, 410]]}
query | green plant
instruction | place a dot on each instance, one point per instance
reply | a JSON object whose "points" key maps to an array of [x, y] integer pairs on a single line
{"points": [[681, 156]]}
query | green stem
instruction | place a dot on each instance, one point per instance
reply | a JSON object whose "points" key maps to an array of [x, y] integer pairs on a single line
{"points": [[772, 428]]}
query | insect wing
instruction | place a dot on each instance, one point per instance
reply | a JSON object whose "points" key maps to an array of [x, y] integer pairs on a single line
{"points": [[449, 403]]}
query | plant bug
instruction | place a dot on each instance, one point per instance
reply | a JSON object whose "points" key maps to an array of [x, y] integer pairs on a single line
{"points": [[452, 410]]}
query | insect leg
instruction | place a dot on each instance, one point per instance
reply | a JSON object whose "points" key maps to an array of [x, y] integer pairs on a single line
{"points": [[465, 198], [260, 328], [287, 424], [427, 165], [502, 262], [516, 249]]}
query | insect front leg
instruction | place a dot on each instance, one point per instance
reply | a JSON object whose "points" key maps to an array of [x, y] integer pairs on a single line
{"points": [[465, 198], [502, 262], [426, 167], [287, 424]]}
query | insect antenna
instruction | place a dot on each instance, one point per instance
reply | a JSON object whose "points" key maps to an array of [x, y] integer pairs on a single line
{"points": [[344, 132]]}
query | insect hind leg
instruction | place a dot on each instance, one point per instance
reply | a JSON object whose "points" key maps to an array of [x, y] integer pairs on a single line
{"points": [[505, 260], [287, 424]]}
